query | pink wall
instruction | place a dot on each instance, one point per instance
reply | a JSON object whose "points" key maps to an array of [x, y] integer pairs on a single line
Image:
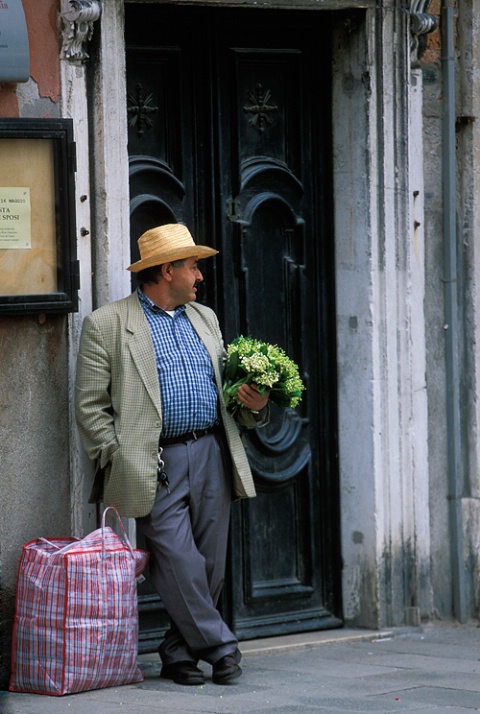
{"points": [[45, 44]]}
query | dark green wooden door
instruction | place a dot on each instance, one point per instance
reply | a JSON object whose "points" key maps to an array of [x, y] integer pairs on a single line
{"points": [[229, 134]]}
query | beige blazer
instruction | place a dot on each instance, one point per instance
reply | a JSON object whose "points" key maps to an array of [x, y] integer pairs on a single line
{"points": [[119, 408]]}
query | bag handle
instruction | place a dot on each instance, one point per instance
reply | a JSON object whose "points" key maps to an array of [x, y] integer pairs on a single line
{"points": [[59, 549], [125, 537]]}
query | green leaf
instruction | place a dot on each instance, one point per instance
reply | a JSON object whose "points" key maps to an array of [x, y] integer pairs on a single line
{"points": [[231, 367]]}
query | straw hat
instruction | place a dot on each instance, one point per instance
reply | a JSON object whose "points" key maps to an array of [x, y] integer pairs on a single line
{"points": [[164, 244]]}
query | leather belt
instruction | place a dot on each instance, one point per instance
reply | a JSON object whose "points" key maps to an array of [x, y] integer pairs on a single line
{"points": [[189, 436]]}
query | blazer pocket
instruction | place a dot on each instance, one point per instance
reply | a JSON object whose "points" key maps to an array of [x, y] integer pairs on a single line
{"points": [[107, 452], [103, 466]]}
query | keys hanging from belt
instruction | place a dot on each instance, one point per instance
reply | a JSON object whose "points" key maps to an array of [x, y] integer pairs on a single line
{"points": [[162, 478]]}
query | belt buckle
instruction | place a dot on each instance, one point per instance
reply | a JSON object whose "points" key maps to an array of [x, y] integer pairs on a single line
{"points": [[194, 434]]}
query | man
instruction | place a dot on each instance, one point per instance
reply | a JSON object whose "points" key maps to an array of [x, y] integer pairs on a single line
{"points": [[150, 411]]}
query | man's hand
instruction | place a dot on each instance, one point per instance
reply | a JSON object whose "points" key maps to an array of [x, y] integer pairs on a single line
{"points": [[251, 397]]}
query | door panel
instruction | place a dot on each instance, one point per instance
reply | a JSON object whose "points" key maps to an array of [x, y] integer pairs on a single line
{"points": [[228, 133], [268, 94], [160, 140]]}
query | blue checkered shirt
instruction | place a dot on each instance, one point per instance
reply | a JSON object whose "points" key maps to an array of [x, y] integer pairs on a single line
{"points": [[185, 370]]}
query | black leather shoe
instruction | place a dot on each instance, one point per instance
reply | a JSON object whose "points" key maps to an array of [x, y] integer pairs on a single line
{"points": [[225, 670], [183, 673]]}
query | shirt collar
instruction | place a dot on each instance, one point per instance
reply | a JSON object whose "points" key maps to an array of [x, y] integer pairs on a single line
{"points": [[150, 305]]}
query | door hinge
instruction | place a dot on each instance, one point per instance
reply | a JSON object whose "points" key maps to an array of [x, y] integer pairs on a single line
{"points": [[233, 209]]}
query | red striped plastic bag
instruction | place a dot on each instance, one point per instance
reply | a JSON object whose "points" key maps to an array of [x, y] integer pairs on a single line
{"points": [[76, 617]]}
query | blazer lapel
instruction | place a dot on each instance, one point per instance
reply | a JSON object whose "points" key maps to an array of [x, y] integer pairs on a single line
{"points": [[141, 349], [207, 336]]}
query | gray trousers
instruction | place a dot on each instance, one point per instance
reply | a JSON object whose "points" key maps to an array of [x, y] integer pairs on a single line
{"points": [[187, 533]]}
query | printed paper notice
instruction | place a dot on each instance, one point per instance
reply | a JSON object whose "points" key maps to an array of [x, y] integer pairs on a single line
{"points": [[15, 218]]}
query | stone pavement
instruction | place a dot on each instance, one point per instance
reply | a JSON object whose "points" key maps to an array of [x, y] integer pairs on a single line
{"points": [[435, 668]]}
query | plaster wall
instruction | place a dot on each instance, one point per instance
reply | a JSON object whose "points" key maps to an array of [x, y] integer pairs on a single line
{"points": [[34, 401], [34, 446], [39, 96]]}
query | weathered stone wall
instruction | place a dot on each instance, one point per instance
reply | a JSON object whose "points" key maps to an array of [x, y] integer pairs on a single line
{"points": [[380, 274], [434, 314], [449, 585], [468, 232]]}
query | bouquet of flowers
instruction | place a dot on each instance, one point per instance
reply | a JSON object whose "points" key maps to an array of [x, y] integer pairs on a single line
{"points": [[250, 360]]}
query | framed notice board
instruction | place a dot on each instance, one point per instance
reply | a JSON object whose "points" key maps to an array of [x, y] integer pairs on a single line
{"points": [[39, 270]]}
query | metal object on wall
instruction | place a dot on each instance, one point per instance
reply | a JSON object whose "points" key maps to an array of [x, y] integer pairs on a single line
{"points": [[78, 28], [421, 24], [14, 47]]}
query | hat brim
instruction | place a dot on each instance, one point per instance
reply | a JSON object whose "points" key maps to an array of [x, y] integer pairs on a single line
{"points": [[194, 251]]}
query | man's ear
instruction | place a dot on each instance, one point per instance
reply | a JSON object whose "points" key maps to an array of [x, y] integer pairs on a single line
{"points": [[167, 270]]}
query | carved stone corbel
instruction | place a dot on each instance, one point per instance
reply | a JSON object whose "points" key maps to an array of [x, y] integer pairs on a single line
{"points": [[421, 24], [78, 28]]}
